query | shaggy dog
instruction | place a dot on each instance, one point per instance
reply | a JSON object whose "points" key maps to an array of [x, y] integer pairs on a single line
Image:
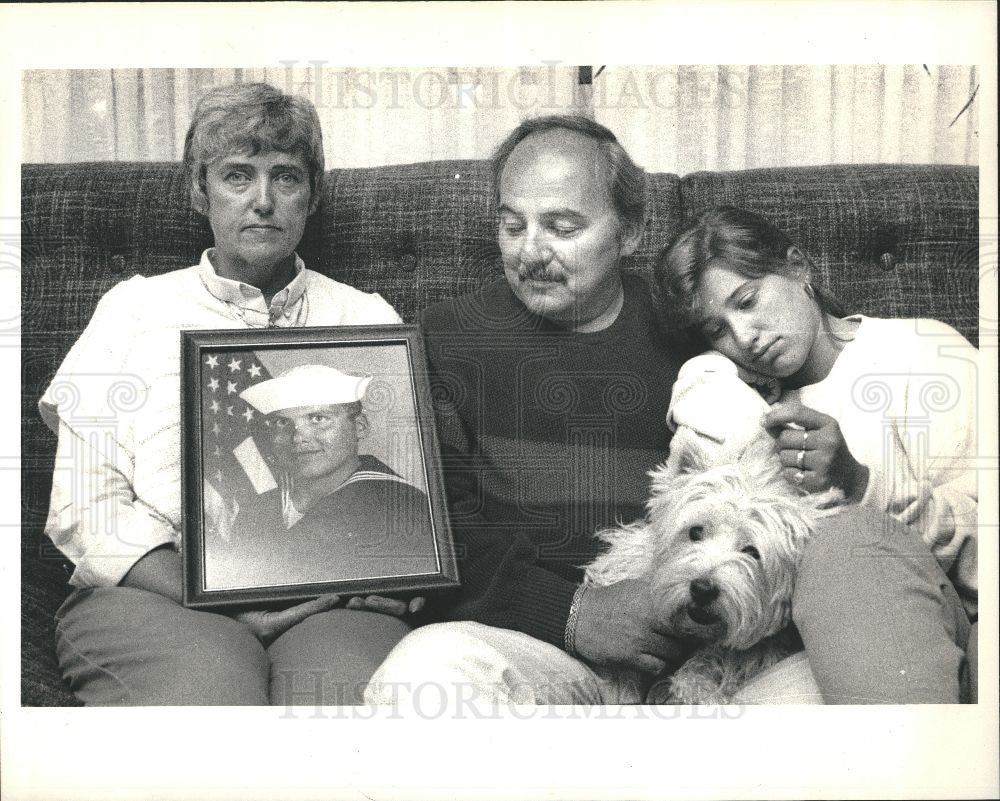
{"points": [[720, 546]]}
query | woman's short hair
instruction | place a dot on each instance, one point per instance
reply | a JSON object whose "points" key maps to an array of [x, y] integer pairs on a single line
{"points": [[741, 241], [626, 180], [252, 118]]}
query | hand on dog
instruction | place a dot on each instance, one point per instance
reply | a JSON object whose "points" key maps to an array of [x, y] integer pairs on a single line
{"points": [[826, 462], [268, 626], [614, 626]]}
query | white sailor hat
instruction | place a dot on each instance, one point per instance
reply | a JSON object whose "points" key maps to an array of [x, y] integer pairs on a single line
{"points": [[306, 385]]}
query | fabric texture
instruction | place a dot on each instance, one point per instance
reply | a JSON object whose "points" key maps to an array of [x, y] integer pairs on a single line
{"points": [[547, 436]]}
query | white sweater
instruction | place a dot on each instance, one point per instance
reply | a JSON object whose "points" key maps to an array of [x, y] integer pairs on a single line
{"points": [[115, 403], [905, 394]]}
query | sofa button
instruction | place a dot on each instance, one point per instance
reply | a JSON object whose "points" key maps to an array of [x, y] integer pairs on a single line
{"points": [[408, 263], [117, 262], [888, 261]]}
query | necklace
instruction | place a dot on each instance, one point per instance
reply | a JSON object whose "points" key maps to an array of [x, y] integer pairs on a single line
{"points": [[300, 319], [301, 313]]}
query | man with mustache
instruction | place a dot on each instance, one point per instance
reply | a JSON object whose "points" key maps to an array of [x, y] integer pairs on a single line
{"points": [[554, 385]]}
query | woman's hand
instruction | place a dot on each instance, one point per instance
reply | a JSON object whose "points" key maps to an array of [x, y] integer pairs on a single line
{"points": [[813, 452], [386, 606], [268, 626], [615, 626]]}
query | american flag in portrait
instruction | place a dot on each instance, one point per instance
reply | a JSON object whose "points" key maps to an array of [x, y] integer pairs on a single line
{"points": [[235, 468]]}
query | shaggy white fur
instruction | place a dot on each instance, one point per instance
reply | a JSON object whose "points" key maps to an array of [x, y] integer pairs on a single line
{"points": [[720, 546]]}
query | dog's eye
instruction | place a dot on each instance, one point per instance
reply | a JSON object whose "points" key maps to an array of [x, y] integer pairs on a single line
{"points": [[752, 552], [696, 533]]}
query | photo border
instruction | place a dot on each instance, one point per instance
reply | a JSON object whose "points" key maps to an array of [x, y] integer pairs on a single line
{"points": [[197, 342]]}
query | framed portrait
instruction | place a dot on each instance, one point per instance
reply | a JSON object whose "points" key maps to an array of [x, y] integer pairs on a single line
{"points": [[310, 466]]}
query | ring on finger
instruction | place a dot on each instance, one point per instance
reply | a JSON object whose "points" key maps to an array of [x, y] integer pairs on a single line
{"points": [[800, 459], [805, 438], [799, 478]]}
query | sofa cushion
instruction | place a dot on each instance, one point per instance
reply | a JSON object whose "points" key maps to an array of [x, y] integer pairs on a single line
{"points": [[43, 589], [890, 240]]}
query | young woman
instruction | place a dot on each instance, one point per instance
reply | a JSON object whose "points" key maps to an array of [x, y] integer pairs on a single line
{"points": [[883, 409]]}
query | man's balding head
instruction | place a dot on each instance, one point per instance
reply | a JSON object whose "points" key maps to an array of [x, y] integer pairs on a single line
{"points": [[623, 179], [562, 232]]}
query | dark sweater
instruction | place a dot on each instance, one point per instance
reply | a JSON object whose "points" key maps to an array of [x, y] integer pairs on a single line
{"points": [[375, 524], [547, 436]]}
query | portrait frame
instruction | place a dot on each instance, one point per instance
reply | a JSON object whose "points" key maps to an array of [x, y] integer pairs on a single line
{"points": [[224, 566]]}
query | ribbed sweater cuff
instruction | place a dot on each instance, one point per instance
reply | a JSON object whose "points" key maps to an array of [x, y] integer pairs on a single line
{"points": [[542, 606]]}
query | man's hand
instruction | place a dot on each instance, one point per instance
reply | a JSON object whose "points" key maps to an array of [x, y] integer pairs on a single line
{"points": [[813, 452], [386, 606], [615, 626], [268, 626]]}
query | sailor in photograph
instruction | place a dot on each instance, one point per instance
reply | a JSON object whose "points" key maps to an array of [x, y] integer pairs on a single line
{"points": [[336, 513]]}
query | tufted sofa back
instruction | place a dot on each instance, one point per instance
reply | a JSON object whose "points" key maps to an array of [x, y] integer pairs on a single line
{"points": [[890, 240]]}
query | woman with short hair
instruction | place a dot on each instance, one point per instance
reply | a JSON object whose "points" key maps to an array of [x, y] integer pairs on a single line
{"points": [[255, 164]]}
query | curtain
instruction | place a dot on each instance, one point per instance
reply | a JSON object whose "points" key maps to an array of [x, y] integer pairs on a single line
{"points": [[683, 119], [670, 118]]}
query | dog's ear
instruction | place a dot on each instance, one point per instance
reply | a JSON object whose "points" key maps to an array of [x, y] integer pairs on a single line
{"points": [[761, 448], [688, 455], [760, 459]]}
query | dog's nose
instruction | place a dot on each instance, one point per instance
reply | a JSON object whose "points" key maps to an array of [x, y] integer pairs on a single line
{"points": [[703, 591]]}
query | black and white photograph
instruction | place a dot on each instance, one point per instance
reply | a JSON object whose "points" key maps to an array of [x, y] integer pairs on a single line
{"points": [[309, 466], [610, 411]]}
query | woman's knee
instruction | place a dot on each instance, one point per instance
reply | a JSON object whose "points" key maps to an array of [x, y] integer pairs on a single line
{"points": [[223, 665], [857, 553], [119, 646], [329, 657], [877, 614]]}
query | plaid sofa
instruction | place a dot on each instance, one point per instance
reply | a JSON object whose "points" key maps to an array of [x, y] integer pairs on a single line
{"points": [[890, 240]]}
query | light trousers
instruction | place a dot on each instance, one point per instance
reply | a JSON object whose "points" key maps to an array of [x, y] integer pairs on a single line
{"points": [[880, 621], [128, 647], [472, 667]]}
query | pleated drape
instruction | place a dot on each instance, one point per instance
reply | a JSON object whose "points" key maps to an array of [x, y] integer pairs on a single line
{"points": [[670, 118]]}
